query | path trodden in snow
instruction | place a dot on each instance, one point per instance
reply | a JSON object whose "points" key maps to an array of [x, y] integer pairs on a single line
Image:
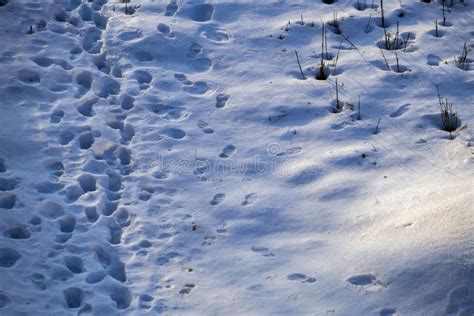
{"points": [[236, 157]]}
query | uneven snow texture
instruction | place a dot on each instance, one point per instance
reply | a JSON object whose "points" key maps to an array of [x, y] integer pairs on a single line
{"points": [[173, 160]]}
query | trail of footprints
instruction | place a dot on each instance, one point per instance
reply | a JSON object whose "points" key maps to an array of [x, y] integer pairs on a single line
{"points": [[100, 162], [89, 164], [95, 186]]}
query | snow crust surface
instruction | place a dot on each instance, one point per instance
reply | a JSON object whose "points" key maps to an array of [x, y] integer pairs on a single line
{"points": [[169, 158]]}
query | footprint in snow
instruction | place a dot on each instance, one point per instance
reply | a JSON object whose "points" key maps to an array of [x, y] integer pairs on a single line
{"points": [[7, 200], [361, 279], [221, 229], [217, 36], [264, 251], [144, 301], [174, 133], [401, 110], [9, 257], [388, 312], [187, 289], [200, 12], [249, 199], [368, 281], [208, 240], [228, 151], [217, 199], [301, 277], [17, 231], [205, 128], [290, 151], [193, 50], [433, 60], [56, 116], [171, 8], [28, 76], [183, 79], [200, 88], [221, 100], [8, 184], [200, 64], [165, 30], [143, 78], [129, 35]]}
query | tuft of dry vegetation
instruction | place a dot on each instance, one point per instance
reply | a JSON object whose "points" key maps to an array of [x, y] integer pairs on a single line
{"points": [[322, 72], [449, 118], [393, 42], [462, 62]]}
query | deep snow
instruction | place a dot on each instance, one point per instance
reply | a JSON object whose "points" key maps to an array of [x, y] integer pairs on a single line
{"points": [[174, 161]]}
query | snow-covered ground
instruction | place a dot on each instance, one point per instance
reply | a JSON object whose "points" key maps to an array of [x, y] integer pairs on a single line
{"points": [[173, 161]]}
